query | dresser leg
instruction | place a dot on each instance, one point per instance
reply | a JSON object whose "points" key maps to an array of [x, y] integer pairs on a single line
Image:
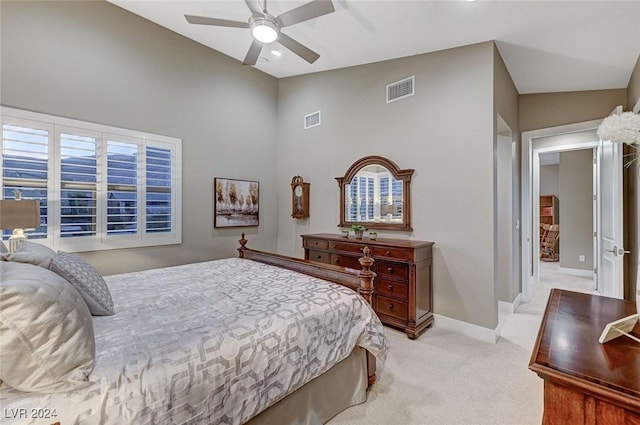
{"points": [[413, 331]]}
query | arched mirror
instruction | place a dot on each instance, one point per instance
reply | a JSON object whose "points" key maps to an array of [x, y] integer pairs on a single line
{"points": [[374, 192]]}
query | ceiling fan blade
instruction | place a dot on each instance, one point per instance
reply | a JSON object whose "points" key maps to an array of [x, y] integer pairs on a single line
{"points": [[202, 20], [297, 48], [254, 7], [305, 12], [253, 53]]}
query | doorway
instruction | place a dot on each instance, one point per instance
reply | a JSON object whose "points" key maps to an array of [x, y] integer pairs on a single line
{"points": [[566, 215], [563, 138]]}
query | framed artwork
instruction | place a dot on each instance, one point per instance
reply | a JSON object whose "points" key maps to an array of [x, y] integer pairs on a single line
{"points": [[235, 202]]}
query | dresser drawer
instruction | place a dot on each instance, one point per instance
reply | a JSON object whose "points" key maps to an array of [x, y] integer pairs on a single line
{"points": [[319, 256], [397, 270], [346, 246], [315, 244], [391, 288], [393, 308], [345, 261], [403, 288], [388, 252]]}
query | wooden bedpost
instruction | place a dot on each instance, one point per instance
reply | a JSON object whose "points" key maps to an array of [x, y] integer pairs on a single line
{"points": [[366, 276], [366, 290], [243, 242]]}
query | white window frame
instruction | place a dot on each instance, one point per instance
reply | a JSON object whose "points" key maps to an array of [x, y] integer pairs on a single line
{"points": [[101, 241]]}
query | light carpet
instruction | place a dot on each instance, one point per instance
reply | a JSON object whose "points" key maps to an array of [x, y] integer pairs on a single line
{"points": [[445, 378]]}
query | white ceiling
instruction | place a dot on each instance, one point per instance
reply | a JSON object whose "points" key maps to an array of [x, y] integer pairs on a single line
{"points": [[547, 46]]}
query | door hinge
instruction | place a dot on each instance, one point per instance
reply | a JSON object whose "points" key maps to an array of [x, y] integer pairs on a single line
{"points": [[595, 234], [595, 271]]}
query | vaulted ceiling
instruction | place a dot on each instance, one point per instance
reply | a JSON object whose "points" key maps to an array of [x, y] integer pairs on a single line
{"points": [[547, 46]]}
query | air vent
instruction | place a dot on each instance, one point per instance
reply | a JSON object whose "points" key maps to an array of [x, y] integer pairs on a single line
{"points": [[312, 120], [401, 89]]}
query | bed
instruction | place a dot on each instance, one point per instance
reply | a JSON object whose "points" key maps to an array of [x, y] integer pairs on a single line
{"points": [[261, 338]]}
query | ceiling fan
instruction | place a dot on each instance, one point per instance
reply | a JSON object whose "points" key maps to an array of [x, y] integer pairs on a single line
{"points": [[265, 27]]}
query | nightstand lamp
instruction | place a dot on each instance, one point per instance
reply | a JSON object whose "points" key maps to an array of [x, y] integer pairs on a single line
{"points": [[17, 214]]}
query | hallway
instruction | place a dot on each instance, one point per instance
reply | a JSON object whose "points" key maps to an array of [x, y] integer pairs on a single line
{"points": [[551, 277]]}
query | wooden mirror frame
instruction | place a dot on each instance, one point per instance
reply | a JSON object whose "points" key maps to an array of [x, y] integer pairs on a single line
{"points": [[398, 174]]}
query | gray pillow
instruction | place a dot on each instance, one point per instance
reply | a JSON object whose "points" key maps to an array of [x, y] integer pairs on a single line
{"points": [[48, 344], [32, 253], [3, 249], [87, 280]]}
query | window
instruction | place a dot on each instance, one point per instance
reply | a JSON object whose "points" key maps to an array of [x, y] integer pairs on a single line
{"points": [[99, 187]]}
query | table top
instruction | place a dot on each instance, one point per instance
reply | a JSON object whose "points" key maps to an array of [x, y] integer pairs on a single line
{"points": [[405, 243], [567, 350]]}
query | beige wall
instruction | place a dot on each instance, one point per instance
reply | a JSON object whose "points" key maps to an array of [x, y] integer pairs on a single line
{"points": [[546, 110], [445, 132], [633, 89], [506, 182], [96, 62], [576, 209], [549, 175]]}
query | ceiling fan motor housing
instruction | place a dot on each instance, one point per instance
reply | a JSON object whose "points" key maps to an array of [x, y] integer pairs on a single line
{"points": [[264, 28]]}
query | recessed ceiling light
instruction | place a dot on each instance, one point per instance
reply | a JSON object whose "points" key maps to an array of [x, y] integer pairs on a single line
{"points": [[276, 53], [471, 1]]}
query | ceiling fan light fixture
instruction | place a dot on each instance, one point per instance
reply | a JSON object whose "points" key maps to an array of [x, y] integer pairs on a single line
{"points": [[263, 29]]}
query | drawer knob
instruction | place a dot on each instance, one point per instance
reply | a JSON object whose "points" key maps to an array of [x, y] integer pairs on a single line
{"points": [[390, 270], [337, 260], [390, 287], [333, 246], [318, 257], [388, 252], [390, 306]]}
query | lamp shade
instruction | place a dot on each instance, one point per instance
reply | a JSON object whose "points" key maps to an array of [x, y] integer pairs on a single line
{"points": [[22, 214]]}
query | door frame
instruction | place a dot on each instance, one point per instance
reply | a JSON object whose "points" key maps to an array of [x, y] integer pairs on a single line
{"points": [[530, 184]]}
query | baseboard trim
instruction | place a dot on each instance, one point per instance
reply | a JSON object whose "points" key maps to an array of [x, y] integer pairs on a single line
{"points": [[468, 329], [510, 307], [576, 272]]}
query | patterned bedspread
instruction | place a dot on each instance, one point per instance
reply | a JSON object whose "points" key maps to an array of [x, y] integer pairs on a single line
{"points": [[209, 343]]}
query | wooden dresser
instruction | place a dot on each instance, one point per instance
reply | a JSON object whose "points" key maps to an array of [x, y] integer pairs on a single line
{"points": [[586, 382], [403, 296]]}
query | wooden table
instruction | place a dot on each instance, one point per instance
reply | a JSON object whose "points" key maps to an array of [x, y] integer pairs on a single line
{"points": [[586, 382]]}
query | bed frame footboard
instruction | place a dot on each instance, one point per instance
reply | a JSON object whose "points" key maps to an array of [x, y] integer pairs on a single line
{"points": [[358, 280]]}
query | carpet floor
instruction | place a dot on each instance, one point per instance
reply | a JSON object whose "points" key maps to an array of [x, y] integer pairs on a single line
{"points": [[445, 378]]}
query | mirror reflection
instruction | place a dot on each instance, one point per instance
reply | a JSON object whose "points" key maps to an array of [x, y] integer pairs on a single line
{"points": [[374, 195], [375, 192]]}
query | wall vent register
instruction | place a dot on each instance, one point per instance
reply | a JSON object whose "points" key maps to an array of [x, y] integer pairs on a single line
{"points": [[401, 89], [312, 120]]}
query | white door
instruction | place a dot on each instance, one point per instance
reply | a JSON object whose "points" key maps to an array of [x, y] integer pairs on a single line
{"points": [[609, 231]]}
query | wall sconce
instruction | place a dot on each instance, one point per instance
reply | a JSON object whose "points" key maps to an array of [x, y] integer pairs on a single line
{"points": [[18, 214]]}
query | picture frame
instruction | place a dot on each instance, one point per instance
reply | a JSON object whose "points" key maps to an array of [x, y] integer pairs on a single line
{"points": [[235, 202]]}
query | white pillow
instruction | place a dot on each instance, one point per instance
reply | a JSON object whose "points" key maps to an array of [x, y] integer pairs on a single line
{"points": [[46, 330], [3, 248], [32, 253]]}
